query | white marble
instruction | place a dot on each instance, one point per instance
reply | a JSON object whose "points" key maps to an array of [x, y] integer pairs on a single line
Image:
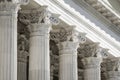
{"points": [[68, 53], [68, 61], [39, 63], [92, 68], [8, 41]]}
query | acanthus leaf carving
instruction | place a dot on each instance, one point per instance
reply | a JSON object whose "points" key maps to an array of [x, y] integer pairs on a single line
{"points": [[67, 34], [112, 64], [61, 34], [40, 15], [88, 49]]}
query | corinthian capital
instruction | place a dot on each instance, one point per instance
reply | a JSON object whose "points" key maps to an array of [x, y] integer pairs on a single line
{"points": [[62, 34], [34, 15], [88, 49], [112, 64], [41, 15]]}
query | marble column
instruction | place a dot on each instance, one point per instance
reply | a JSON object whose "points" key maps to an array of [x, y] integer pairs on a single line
{"points": [[39, 63], [92, 55], [68, 61], [68, 53], [92, 68], [8, 40], [40, 23]]}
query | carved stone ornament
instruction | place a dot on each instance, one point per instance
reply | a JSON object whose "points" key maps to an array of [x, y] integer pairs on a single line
{"points": [[102, 52], [60, 35], [112, 64], [54, 19], [67, 34], [41, 15], [88, 49]]}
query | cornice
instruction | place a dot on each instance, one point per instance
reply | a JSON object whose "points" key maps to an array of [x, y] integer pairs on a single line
{"points": [[106, 11], [72, 17], [98, 19]]}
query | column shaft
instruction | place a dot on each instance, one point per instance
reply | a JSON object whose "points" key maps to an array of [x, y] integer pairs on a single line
{"points": [[22, 71], [68, 61], [8, 41], [22, 65], [39, 68], [92, 68], [68, 67]]}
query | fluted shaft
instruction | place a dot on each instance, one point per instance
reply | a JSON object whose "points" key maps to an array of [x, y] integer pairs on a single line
{"points": [[68, 61], [22, 66], [39, 64], [8, 41], [92, 68]]}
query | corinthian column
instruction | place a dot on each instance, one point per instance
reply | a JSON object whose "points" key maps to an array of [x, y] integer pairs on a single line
{"points": [[68, 52], [39, 58], [39, 63], [8, 40], [92, 58]]}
